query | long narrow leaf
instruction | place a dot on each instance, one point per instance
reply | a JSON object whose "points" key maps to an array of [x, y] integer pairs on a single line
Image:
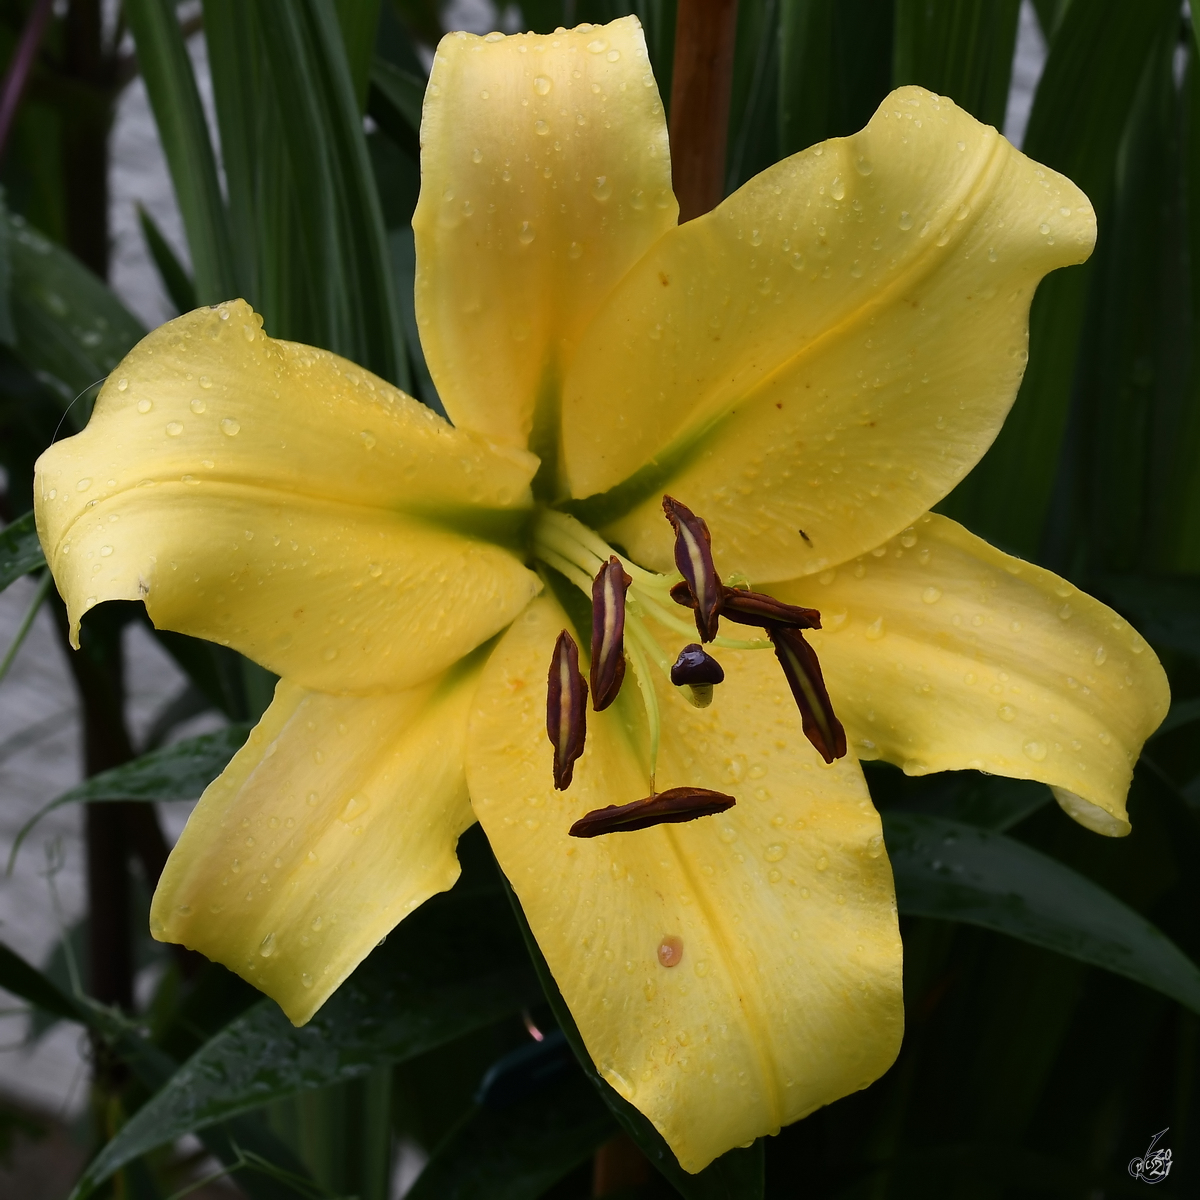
{"points": [[20, 550], [961, 873], [409, 997], [171, 86], [180, 771]]}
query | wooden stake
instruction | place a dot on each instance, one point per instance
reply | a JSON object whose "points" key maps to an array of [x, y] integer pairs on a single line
{"points": [[700, 88]]}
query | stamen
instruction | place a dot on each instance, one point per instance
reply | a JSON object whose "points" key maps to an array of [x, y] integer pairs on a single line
{"points": [[756, 608], [608, 632], [641, 668], [695, 672], [669, 807], [693, 557], [752, 608], [799, 662], [566, 709]]}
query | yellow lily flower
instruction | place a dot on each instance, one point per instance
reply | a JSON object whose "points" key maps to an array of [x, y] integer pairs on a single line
{"points": [[808, 368]]}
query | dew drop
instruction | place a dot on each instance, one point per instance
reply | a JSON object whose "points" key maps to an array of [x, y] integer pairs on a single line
{"points": [[837, 189], [174, 429], [1035, 750], [875, 630], [906, 221], [931, 595], [598, 46], [526, 234], [1100, 657], [774, 852], [542, 86], [267, 947], [1043, 228], [613, 55], [822, 863], [541, 128], [311, 799], [230, 427], [863, 165], [122, 384], [105, 551], [670, 951], [575, 250], [205, 382], [1006, 712], [144, 406], [755, 237], [198, 405], [601, 189], [306, 979]]}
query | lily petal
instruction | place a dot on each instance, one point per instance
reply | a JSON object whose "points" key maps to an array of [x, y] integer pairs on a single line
{"points": [[728, 975], [828, 351], [545, 175], [943, 653], [281, 500], [338, 817]]}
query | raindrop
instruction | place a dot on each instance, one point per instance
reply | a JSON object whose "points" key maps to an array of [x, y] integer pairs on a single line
{"points": [[797, 261], [122, 384], [931, 595], [542, 86], [755, 237], [198, 406], [1035, 750], [601, 189], [306, 979], [477, 155], [822, 863], [613, 55], [1043, 228], [906, 221], [597, 46], [774, 852], [230, 427], [174, 429], [105, 551], [525, 235], [205, 382], [541, 128], [875, 630], [1006, 712], [670, 951], [864, 166], [144, 406], [1100, 657], [837, 189], [267, 948], [575, 250]]}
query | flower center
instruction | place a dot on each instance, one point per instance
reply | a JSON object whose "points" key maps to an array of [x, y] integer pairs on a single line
{"points": [[625, 598]]}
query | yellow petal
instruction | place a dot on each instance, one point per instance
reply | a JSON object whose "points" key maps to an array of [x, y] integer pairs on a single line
{"points": [[831, 349], [545, 175], [788, 992], [285, 502], [336, 819], [942, 653]]}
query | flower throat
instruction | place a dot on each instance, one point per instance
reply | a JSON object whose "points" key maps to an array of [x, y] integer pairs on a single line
{"points": [[624, 598]]}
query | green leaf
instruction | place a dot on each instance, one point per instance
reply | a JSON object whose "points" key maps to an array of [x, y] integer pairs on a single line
{"points": [[20, 550], [27, 982], [959, 873], [518, 1151], [736, 1175], [171, 86], [174, 277], [180, 771], [958, 48], [339, 223], [753, 143], [8, 331], [1079, 115], [359, 20], [1165, 610], [395, 103], [447, 970], [71, 329], [835, 66]]}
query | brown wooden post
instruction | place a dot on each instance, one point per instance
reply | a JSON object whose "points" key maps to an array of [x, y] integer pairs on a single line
{"points": [[700, 89]]}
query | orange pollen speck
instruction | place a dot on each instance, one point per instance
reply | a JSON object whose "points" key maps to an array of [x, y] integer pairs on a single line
{"points": [[670, 951]]}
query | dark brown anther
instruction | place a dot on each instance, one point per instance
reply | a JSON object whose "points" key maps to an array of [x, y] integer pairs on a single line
{"points": [[665, 808], [608, 632], [756, 608], [799, 662], [695, 666], [693, 557], [566, 709]]}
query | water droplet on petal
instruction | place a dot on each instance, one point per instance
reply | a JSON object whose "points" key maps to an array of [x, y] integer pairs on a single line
{"points": [[774, 852], [174, 429], [144, 406], [230, 427], [541, 128], [601, 189], [575, 250], [122, 384], [931, 595], [1006, 712], [670, 951], [267, 948], [875, 630], [906, 221], [306, 979], [1100, 657], [542, 85], [525, 234], [1035, 750], [837, 189]]}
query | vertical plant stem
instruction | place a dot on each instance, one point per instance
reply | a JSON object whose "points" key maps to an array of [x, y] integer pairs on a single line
{"points": [[700, 89], [17, 75]]}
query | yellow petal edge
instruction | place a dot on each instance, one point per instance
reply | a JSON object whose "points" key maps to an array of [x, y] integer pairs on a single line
{"points": [[943, 653], [338, 817]]}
